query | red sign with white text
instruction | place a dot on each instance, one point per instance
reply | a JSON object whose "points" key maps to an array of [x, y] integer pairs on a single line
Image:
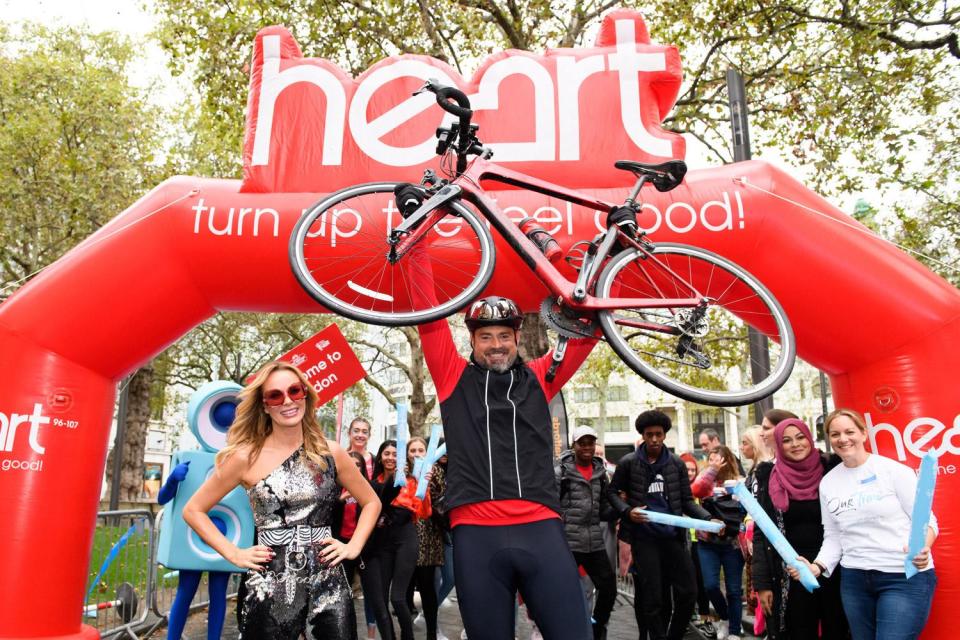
{"points": [[564, 115], [329, 363]]}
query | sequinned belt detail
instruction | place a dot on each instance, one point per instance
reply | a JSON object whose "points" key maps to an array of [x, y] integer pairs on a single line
{"points": [[296, 537]]}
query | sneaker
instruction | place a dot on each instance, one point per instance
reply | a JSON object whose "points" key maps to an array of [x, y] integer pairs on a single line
{"points": [[706, 630], [733, 637], [723, 630], [420, 622]]}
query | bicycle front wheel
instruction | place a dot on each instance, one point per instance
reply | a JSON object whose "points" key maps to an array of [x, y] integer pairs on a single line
{"points": [[339, 253], [702, 355]]}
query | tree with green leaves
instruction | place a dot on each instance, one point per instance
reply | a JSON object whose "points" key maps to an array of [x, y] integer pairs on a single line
{"points": [[602, 365], [78, 144]]}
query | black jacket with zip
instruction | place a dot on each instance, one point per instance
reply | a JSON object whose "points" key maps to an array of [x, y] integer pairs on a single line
{"points": [[583, 504], [498, 428], [633, 477]]}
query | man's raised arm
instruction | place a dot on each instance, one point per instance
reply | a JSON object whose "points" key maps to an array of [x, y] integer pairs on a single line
{"points": [[440, 352]]}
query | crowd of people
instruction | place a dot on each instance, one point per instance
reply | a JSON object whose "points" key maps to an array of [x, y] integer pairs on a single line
{"points": [[506, 523]]}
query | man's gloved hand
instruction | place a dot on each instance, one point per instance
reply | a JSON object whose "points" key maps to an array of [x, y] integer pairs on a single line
{"points": [[180, 471], [409, 198], [625, 218]]}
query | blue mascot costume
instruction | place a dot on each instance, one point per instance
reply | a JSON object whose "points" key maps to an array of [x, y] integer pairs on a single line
{"points": [[209, 414]]}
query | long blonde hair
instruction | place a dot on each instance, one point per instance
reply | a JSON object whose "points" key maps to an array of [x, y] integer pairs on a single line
{"points": [[760, 452], [252, 424]]}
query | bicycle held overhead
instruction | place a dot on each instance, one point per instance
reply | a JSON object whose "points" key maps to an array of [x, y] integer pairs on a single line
{"points": [[676, 314]]}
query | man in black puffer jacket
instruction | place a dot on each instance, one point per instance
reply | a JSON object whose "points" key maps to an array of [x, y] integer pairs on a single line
{"points": [[654, 479], [585, 500]]}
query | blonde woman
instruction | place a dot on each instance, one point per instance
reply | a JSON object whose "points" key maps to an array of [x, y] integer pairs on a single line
{"points": [[293, 477], [867, 506], [754, 448]]}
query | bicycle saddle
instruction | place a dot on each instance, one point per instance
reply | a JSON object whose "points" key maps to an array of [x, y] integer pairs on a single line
{"points": [[664, 176]]}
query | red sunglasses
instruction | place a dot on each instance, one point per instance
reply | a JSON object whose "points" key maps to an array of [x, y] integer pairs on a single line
{"points": [[274, 397]]}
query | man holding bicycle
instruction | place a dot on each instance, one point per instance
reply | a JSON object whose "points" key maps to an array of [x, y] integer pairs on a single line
{"points": [[501, 492]]}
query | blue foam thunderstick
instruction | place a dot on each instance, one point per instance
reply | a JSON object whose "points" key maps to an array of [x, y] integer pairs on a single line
{"points": [[682, 522], [400, 478], [922, 506], [774, 536], [429, 461]]}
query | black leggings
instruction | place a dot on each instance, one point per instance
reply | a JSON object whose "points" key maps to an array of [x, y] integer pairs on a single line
{"points": [[425, 581], [389, 568], [597, 566], [495, 562]]}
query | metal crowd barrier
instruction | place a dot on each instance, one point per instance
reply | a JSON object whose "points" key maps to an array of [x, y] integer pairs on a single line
{"points": [[121, 572], [129, 594]]}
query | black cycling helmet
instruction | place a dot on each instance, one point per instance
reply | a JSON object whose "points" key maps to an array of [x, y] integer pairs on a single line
{"points": [[493, 311]]}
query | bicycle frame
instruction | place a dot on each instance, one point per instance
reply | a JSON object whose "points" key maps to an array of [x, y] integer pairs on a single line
{"points": [[575, 294]]}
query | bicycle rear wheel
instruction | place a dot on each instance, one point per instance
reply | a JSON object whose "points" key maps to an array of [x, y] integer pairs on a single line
{"points": [[701, 356], [339, 254]]}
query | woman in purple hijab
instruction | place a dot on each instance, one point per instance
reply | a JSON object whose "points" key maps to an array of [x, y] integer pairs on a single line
{"points": [[788, 491]]}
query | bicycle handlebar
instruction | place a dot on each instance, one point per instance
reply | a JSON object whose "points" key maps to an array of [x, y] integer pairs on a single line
{"points": [[455, 102], [446, 96]]}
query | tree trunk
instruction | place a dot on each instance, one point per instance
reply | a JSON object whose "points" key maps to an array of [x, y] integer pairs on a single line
{"points": [[533, 337], [419, 406], [135, 439]]}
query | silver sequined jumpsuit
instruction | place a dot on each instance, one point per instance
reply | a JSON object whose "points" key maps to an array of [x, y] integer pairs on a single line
{"points": [[296, 594]]}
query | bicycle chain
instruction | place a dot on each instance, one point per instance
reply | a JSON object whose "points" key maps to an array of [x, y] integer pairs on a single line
{"points": [[557, 319]]}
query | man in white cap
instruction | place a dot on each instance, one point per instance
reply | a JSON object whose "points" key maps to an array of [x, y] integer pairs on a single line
{"points": [[586, 499]]}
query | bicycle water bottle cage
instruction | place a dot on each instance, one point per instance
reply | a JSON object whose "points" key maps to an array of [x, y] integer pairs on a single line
{"points": [[664, 176]]}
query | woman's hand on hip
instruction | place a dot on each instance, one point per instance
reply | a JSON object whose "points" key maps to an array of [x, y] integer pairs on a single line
{"points": [[335, 551], [252, 557]]}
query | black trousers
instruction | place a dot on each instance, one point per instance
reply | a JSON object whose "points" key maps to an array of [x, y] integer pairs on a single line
{"points": [[663, 563], [389, 569], [425, 580], [597, 566]]}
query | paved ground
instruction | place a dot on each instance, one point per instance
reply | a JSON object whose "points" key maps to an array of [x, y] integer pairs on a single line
{"points": [[622, 625]]}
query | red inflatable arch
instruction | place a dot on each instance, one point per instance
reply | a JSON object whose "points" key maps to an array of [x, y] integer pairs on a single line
{"points": [[886, 329]]}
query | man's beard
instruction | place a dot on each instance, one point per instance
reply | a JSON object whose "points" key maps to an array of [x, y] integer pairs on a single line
{"points": [[499, 367]]}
